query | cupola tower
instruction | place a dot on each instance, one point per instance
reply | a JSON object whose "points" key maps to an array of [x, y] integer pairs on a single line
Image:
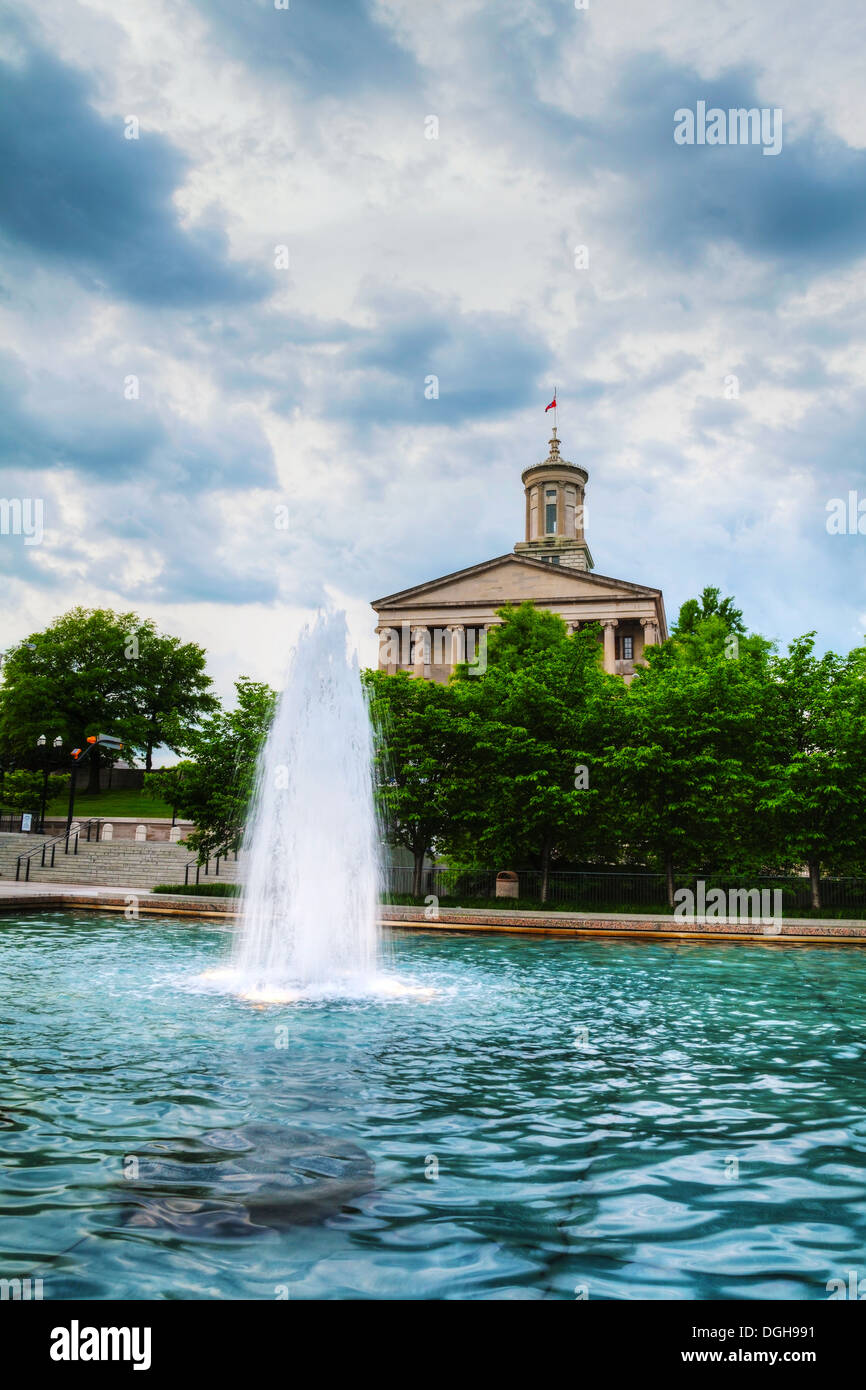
{"points": [[555, 512]]}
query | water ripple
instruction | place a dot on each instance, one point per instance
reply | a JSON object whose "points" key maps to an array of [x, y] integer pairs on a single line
{"points": [[632, 1120]]}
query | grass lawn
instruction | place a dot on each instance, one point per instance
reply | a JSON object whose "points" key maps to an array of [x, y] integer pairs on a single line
{"points": [[110, 804]]}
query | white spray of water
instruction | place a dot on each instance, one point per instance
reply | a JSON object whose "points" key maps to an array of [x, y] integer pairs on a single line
{"points": [[311, 904]]}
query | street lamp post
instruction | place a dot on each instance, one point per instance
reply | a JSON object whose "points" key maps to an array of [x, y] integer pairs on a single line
{"points": [[78, 757], [71, 807], [42, 742]]}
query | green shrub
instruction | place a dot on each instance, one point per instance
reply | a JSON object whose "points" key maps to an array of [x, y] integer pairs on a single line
{"points": [[200, 890]]}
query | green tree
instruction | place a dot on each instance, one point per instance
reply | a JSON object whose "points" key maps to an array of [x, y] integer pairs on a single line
{"points": [[712, 626], [72, 679], [696, 611], [171, 692], [691, 756], [94, 671], [214, 786], [166, 784], [418, 750], [532, 784], [524, 635], [816, 800], [21, 790]]}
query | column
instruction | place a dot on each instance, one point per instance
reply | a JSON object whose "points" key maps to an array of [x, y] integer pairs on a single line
{"points": [[560, 509], [610, 625], [458, 643], [421, 638], [649, 631], [389, 649]]}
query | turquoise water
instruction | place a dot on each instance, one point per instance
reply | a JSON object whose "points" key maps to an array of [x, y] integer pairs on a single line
{"points": [[704, 1137]]}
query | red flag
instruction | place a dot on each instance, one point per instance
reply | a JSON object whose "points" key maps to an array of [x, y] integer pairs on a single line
{"points": [[552, 406]]}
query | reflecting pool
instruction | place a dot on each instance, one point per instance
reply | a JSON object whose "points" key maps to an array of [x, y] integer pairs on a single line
{"points": [[535, 1119]]}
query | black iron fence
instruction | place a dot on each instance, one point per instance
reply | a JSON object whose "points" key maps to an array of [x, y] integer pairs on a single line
{"points": [[621, 888]]}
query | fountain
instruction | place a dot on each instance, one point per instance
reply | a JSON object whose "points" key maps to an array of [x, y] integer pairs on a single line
{"points": [[311, 903]]}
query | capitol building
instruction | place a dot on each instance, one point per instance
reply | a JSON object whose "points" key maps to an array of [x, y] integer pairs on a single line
{"points": [[427, 629]]}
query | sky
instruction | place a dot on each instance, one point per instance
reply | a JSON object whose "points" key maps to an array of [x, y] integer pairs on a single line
{"points": [[237, 241]]}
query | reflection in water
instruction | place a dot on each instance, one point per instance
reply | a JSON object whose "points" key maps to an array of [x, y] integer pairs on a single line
{"points": [[552, 1115]]}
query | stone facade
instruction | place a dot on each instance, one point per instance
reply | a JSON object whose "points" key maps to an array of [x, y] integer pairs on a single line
{"points": [[426, 629]]}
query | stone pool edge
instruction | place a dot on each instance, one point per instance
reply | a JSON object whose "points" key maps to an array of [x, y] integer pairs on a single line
{"points": [[793, 930]]}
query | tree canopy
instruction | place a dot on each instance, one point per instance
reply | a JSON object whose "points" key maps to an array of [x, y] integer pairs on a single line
{"points": [[213, 786], [95, 671], [720, 754]]}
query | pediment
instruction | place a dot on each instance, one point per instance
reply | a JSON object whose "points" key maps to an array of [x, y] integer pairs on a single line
{"points": [[514, 578]]}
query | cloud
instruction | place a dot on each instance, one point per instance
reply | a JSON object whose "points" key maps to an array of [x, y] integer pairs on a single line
{"points": [[802, 210], [480, 364], [75, 191], [413, 258], [333, 48]]}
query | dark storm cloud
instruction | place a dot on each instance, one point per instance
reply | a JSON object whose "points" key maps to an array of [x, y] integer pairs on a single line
{"points": [[203, 578], [485, 364], [330, 47], [75, 192], [663, 222], [83, 421], [803, 209], [42, 426]]}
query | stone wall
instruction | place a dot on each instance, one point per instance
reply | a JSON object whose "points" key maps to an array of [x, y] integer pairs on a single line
{"points": [[123, 779], [127, 827]]}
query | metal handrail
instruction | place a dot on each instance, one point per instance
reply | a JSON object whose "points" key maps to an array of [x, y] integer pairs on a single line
{"points": [[198, 867], [70, 834]]}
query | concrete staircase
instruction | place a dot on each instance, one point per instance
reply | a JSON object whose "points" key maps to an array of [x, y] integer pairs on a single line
{"points": [[110, 863]]}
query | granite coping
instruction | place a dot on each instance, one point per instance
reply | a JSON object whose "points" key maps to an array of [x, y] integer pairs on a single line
{"points": [[119, 899]]}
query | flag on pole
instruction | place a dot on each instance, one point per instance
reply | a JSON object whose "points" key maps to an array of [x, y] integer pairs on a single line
{"points": [[552, 405]]}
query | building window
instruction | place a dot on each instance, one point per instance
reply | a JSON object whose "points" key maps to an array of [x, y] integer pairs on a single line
{"points": [[550, 511], [626, 648]]}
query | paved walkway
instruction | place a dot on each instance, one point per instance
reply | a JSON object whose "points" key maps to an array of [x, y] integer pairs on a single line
{"points": [[10, 889]]}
